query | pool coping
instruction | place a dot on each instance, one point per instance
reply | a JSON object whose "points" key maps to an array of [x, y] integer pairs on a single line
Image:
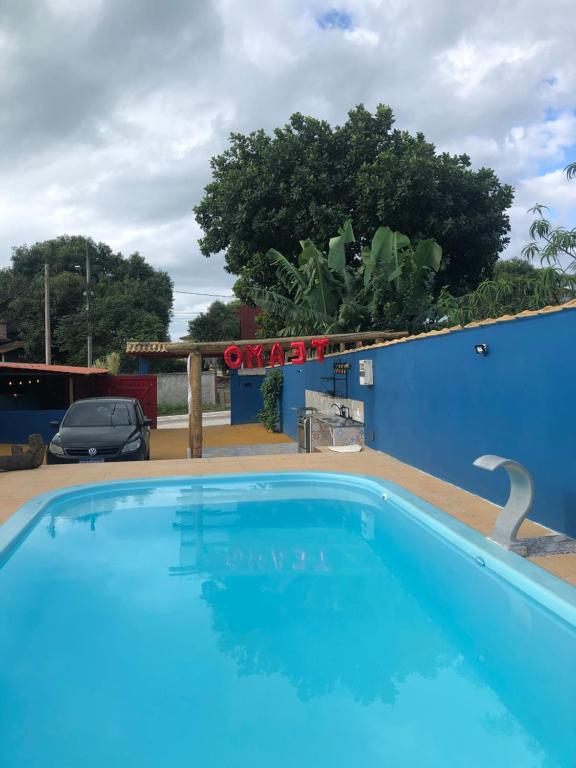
{"points": [[545, 588]]}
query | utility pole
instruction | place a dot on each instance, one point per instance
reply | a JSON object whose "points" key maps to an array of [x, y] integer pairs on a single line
{"points": [[47, 342], [88, 308]]}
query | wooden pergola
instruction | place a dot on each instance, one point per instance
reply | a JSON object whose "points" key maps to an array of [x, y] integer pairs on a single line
{"points": [[197, 351]]}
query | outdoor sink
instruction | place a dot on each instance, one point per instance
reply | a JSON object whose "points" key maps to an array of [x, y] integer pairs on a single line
{"points": [[335, 421], [328, 429]]}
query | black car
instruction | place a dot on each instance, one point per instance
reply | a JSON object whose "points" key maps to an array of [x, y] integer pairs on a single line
{"points": [[101, 429]]}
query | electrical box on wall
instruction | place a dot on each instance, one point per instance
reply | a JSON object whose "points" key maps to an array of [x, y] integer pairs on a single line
{"points": [[366, 373]]}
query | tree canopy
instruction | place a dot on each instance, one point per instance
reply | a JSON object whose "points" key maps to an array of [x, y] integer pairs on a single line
{"points": [[304, 180], [130, 299], [220, 322]]}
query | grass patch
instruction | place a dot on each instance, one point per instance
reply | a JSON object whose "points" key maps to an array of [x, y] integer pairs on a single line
{"points": [[181, 409]]}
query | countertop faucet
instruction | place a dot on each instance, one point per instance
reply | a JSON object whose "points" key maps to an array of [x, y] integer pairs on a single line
{"points": [[343, 410]]}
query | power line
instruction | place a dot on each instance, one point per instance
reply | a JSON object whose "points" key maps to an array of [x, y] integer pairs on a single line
{"points": [[218, 295]]}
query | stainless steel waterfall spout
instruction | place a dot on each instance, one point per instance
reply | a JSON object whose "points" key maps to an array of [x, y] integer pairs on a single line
{"points": [[519, 502]]}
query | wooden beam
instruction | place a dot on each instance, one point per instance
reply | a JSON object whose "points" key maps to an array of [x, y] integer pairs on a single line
{"points": [[216, 348], [195, 408]]}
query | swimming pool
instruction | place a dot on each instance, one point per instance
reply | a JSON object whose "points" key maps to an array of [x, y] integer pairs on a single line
{"points": [[275, 620]]}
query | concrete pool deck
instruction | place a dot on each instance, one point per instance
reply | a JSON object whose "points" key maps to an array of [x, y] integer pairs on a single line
{"points": [[18, 487]]}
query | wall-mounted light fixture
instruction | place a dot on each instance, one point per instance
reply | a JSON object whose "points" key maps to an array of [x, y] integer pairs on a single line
{"points": [[481, 349]]}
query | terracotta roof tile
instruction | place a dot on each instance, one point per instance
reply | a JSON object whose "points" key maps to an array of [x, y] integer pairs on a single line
{"points": [[545, 310], [526, 313]]}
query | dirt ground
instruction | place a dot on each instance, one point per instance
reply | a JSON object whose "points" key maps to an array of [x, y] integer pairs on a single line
{"points": [[172, 443]]}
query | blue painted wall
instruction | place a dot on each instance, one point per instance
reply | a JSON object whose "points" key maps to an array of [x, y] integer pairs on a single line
{"points": [[143, 365], [15, 426], [438, 405], [245, 398]]}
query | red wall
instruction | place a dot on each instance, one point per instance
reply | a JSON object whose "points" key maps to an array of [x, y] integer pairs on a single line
{"points": [[143, 387], [247, 317]]}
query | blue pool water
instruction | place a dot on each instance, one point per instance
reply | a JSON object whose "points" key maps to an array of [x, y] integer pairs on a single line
{"points": [[283, 620]]}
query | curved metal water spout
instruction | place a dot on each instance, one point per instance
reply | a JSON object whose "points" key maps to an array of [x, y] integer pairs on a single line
{"points": [[519, 502]]}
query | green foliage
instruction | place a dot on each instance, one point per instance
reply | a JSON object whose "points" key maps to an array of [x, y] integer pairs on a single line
{"points": [[271, 394], [181, 409], [553, 246], [307, 177], [130, 299], [220, 322], [517, 286], [390, 288], [112, 361]]}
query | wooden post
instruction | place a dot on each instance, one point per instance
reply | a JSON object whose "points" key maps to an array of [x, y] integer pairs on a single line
{"points": [[195, 408], [70, 390], [47, 335]]}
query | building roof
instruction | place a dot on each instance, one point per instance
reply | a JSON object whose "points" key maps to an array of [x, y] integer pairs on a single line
{"points": [[42, 368], [10, 346]]}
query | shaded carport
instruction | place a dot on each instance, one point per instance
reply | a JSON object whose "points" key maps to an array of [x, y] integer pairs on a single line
{"points": [[33, 394]]}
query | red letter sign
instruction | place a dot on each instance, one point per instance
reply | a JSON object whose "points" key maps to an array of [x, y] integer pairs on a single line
{"points": [[320, 347], [233, 356], [276, 354], [253, 354], [300, 352]]}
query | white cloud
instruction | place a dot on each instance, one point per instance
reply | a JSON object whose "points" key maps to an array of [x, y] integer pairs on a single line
{"points": [[523, 149], [362, 36], [111, 112], [468, 64]]}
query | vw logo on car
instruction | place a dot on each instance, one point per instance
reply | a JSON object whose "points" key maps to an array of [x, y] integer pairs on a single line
{"points": [[92, 451]]}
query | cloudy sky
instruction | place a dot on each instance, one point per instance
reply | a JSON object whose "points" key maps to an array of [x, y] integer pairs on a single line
{"points": [[111, 109]]}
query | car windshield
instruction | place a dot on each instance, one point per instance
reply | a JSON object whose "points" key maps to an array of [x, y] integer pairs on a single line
{"points": [[98, 415]]}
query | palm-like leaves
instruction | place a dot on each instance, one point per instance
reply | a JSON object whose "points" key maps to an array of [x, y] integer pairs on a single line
{"points": [[553, 246], [337, 251], [494, 298], [327, 296], [298, 318], [294, 279], [385, 255]]}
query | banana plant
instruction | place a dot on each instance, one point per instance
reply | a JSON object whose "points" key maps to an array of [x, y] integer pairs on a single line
{"points": [[392, 258], [325, 295], [385, 256]]}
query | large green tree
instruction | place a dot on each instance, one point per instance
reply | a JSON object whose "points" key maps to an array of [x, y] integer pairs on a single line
{"points": [[220, 322], [271, 191], [130, 299]]}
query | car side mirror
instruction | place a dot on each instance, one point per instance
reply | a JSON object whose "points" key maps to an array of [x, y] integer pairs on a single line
{"points": [[147, 423], [55, 424]]}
